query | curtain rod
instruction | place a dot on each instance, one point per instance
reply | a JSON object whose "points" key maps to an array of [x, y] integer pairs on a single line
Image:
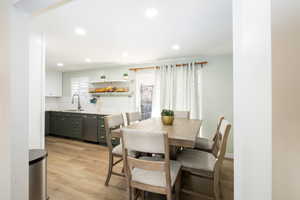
{"points": [[157, 67]]}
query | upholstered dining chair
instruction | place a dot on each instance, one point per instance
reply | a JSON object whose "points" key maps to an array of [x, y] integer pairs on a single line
{"points": [[111, 123], [152, 174], [206, 165], [182, 114], [210, 145], [133, 117]]}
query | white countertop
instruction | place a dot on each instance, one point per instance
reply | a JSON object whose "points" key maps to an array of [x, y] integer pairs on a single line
{"points": [[80, 112]]}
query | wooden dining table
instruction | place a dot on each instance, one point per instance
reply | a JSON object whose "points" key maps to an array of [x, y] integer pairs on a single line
{"points": [[183, 132]]}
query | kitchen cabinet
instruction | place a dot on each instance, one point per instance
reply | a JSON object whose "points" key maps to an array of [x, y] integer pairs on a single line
{"points": [[53, 84], [86, 127], [47, 123], [74, 126], [66, 125]]}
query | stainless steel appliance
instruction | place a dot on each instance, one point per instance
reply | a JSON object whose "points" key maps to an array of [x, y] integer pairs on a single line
{"points": [[38, 174]]}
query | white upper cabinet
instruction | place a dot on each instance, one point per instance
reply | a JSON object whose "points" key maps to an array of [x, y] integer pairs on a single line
{"points": [[53, 84]]}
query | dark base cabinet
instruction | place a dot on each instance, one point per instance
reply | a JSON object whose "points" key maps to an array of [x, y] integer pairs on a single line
{"points": [[47, 123], [86, 127]]}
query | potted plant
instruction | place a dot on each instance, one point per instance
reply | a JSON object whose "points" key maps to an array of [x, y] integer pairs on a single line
{"points": [[125, 76], [167, 117]]}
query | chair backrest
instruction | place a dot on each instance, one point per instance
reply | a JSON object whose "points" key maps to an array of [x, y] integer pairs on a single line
{"points": [[222, 138], [215, 138], [112, 122], [182, 114], [133, 117], [148, 142], [221, 118]]}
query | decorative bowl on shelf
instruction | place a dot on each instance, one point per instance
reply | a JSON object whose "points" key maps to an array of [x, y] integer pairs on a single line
{"points": [[167, 117]]}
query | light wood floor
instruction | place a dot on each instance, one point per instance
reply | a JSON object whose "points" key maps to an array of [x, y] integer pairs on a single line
{"points": [[77, 171]]}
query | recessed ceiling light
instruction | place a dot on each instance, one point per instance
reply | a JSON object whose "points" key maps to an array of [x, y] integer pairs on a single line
{"points": [[80, 31], [151, 13], [125, 54], [88, 60], [176, 47], [60, 64]]}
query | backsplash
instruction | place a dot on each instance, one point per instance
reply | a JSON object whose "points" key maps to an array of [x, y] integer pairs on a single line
{"points": [[105, 105]]}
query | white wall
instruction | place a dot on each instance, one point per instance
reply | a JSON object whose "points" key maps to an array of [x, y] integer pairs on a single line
{"points": [[286, 98], [36, 91], [217, 95], [5, 137], [106, 105], [19, 100], [13, 103], [252, 100], [111, 73]]}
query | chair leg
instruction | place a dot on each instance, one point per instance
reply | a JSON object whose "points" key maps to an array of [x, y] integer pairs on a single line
{"points": [[129, 193], [178, 187], [142, 195], [217, 187], [133, 192], [109, 172], [169, 195]]}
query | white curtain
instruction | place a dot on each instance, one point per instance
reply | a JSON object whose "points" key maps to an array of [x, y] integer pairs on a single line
{"points": [[178, 88]]}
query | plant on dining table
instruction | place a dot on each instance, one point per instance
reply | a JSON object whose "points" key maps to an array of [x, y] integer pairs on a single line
{"points": [[167, 116]]}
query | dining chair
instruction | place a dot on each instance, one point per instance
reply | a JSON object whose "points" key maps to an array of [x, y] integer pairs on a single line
{"points": [[209, 145], [182, 114], [111, 123], [133, 117], [152, 174], [206, 165]]}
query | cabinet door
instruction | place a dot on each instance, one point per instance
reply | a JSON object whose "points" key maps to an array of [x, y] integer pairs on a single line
{"points": [[90, 128], [47, 123], [75, 125], [53, 84], [60, 124], [52, 122]]}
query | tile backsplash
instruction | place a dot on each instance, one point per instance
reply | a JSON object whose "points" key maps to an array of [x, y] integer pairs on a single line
{"points": [[107, 105]]}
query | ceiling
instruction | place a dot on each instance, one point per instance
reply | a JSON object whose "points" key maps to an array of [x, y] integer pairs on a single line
{"points": [[118, 32]]}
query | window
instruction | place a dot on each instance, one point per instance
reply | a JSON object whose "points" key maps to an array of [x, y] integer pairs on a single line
{"points": [[144, 92], [80, 86]]}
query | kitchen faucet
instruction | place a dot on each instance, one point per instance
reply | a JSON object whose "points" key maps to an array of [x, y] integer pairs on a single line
{"points": [[78, 105]]}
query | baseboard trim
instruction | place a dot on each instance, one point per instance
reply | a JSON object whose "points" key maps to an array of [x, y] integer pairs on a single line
{"points": [[229, 156]]}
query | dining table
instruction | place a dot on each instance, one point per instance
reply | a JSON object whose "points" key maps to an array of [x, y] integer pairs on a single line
{"points": [[182, 133]]}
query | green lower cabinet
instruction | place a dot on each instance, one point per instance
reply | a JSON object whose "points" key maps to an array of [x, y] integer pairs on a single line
{"points": [[66, 125], [75, 127], [86, 127]]}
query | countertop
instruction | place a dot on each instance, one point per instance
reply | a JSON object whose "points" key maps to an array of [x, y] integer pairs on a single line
{"points": [[36, 155], [79, 112]]}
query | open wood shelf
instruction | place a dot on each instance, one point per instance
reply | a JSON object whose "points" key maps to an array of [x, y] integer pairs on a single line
{"points": [[112, 94], [110, 81]]}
